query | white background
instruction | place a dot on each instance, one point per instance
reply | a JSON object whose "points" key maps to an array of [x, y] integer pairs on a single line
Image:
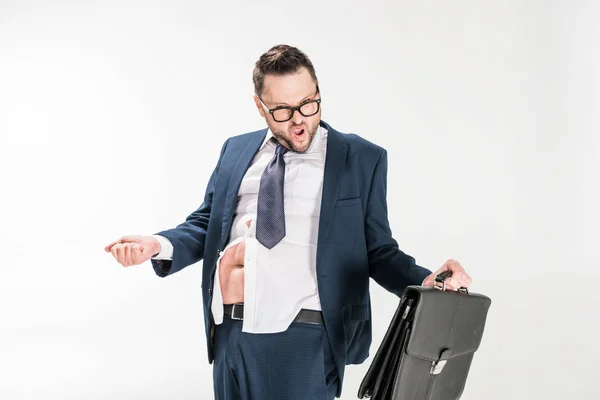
{"points": [[112, 115]]}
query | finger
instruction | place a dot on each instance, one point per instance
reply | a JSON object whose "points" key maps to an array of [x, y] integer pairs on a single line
{"points": [[443, 268], [452, 283], [132, 255], [137, 253], [454, 265], [113, 251], [107, 248], [464, 279], [124, 259], [468, 280], [128, 256], [130, 239], [429, 281], [121, 254], [460, 275]]}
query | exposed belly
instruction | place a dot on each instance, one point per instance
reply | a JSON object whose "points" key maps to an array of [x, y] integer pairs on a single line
{"points": [[231, 277]]}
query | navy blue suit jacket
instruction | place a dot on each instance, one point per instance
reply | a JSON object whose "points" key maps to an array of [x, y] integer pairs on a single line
{"points": [[354, 243]]}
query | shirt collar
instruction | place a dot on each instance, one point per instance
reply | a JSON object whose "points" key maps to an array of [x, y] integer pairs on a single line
{"points": [[268, 136]]}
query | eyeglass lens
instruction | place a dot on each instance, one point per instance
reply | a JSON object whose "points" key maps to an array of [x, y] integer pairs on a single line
{"points": [[307, 110]]}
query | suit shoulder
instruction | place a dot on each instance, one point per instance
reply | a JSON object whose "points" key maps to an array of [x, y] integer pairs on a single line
{"points": [[243, 138], [247, 136], [361, 146]]}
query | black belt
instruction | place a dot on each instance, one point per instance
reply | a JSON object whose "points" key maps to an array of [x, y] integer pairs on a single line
{"points": [[236, 311]]}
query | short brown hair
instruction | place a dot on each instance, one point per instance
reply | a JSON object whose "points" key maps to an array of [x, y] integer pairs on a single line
{"points": [[280, 60]]}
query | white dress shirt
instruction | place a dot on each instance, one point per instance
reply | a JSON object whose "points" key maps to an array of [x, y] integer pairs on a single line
{"points": [[280, 281]]}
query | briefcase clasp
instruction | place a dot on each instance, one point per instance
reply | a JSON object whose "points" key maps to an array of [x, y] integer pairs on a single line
{"points": [[437, 367]]}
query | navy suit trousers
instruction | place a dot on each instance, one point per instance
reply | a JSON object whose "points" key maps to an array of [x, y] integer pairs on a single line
{"points": [[296, 364]]}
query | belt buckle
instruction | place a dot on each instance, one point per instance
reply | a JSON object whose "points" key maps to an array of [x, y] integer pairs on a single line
{"points": [[233, 312]]}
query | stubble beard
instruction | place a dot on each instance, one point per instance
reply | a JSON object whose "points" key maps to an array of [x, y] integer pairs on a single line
{"points": [[282, 137]]}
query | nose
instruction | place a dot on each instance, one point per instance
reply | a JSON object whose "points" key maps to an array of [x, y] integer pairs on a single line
{"points": [[297, 118]]}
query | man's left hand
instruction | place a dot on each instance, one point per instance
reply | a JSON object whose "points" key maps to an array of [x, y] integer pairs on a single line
{"points": [[459, 277]]}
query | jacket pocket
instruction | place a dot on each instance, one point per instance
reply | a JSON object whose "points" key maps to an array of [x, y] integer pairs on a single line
{"points": [[347, 202]]}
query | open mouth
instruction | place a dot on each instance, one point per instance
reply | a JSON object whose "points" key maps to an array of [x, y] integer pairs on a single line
{"points": [[298, 131]]}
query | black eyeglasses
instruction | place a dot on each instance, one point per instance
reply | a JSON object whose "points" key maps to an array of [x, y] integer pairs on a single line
{"points": [[285, 113]]}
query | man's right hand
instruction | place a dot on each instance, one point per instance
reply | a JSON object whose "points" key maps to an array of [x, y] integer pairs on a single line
{"points": [[134, 249]]}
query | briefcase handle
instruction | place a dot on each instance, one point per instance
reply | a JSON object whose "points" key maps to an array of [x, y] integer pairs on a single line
{"points": [[440, 282]]}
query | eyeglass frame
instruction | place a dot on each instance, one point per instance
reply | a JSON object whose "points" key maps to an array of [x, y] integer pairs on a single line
{"points": [[293, 109]]}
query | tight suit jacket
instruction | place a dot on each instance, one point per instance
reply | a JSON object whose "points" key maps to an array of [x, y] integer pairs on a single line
{"points": [[354, 239]]}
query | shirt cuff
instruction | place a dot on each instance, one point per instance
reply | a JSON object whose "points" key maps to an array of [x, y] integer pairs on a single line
{"points": [[166, 248]]}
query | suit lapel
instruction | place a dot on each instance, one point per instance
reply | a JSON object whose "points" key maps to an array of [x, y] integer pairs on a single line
{"points": [[335, 161], [242, 159]]}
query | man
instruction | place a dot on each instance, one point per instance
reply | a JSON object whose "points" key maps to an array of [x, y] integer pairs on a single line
{"points": [[293, 224]]}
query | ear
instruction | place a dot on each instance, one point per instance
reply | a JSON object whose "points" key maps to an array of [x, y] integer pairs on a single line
{"points": [[261, 110]]}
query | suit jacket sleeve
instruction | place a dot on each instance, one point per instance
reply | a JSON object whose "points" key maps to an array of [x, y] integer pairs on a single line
{"points": [[388, 265], [188, 237]]}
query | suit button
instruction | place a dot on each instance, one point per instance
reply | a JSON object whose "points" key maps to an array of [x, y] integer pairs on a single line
{"points": [[210, 292]]}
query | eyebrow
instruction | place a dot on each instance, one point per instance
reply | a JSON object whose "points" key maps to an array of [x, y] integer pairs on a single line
{"points": [[302, 101]]}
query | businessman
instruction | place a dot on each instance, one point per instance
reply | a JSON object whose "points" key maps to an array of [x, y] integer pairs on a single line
{"points": [[293, 224]]}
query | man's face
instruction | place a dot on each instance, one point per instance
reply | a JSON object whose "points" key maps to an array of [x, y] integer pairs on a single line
{"points": [[290, 90]]}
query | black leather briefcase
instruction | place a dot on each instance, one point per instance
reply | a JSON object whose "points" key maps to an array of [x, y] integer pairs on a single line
{"points": [[427, 350]]}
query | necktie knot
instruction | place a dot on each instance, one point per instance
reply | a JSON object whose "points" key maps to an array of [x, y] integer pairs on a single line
{"points": [[280, 149]]}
